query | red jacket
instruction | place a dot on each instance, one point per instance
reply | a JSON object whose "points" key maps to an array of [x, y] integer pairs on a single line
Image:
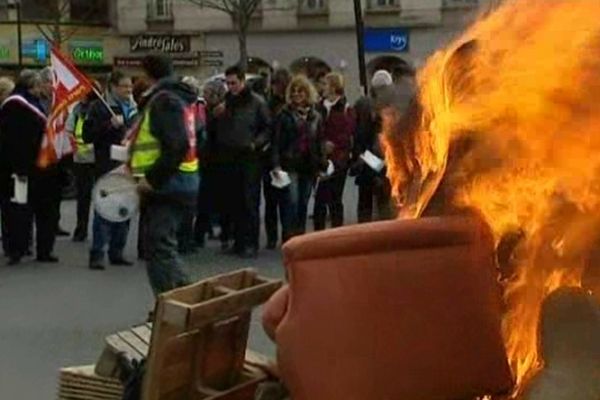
{"points": [[339, 125]]}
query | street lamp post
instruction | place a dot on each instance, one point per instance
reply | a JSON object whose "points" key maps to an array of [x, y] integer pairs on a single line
{"points": [[19, 34], [360, 40]]}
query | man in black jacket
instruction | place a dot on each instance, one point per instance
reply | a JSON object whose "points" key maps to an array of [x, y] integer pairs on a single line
{"points": [[104, 129], [242, 135], [273, 196], [373, 186], [22, 127]]}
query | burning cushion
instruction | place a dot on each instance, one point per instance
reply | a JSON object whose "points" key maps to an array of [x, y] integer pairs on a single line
{"points": [[392, 310]]}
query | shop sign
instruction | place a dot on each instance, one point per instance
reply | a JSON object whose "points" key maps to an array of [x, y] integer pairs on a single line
{"points": [[210, 54], [87, 52], [4, 52], [36, 50], [160, 43], [386, 40], [136, 62]]}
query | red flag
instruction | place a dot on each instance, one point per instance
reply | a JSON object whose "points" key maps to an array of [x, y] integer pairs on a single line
{"points": [[70, 86]]}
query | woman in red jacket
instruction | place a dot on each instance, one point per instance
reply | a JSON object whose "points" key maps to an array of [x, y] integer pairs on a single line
{"points": [[339, 124]]}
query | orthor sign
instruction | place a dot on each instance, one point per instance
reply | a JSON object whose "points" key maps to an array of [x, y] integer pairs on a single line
{"points": [[90, 52]]}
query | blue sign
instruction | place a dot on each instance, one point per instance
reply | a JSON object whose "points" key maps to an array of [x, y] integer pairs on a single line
{"points": [[37, 49], [386, 40]]}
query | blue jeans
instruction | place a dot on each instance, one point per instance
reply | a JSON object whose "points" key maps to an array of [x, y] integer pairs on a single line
{"points": [[296, 204], [113, 234]]}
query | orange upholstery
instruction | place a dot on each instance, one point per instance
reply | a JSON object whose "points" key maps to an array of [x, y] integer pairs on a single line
{"points": [[392, 310]]}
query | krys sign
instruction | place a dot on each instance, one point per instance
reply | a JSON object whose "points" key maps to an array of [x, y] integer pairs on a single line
{"points": [[161, 43]]}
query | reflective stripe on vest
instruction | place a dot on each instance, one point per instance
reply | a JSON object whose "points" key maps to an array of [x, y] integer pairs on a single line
{"points": [[83, 148], [146, 149]]}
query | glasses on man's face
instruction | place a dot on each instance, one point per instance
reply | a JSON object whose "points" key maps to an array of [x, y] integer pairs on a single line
{"points": [[231, 83]]}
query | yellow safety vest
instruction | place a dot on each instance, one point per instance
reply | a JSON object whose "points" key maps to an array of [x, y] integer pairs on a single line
{"points": [[83, 148], [146, 150]]}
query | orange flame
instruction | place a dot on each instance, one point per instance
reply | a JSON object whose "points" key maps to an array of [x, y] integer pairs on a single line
{"points": [[507, 120]]}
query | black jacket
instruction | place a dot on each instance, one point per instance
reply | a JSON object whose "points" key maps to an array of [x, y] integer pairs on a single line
{"points": [[22, 128], [287, 140], [166, 102], [368, 126], [244, 125], [97, 129]]}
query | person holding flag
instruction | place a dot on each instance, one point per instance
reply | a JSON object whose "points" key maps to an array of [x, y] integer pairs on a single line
{"points": [[108, 120], [34, 144], [83, 165], [23, 128]]}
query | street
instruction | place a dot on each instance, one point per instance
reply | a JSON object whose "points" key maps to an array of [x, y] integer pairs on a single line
{"points": [[55, 316]]}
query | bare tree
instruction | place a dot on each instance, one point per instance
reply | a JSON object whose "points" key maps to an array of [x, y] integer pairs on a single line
{"points": [[58, 27], [240, 12]]}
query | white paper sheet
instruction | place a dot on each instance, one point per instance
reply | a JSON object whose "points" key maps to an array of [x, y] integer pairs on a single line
{"points": [[374, 162], [280, 179], [119, 153], [21, 188], [330, 168]]}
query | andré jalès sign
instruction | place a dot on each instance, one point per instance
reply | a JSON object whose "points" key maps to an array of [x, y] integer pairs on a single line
{"points": [[160, 43]]}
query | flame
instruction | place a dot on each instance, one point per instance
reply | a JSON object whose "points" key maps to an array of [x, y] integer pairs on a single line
{"points": [[506, 121]]}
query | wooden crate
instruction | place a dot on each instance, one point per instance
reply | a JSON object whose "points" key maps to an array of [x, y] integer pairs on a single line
{"points": [[199, 339], [81, 383], [131, 344]]}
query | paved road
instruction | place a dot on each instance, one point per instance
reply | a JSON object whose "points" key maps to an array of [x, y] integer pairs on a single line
{"points": [[53, 316]]}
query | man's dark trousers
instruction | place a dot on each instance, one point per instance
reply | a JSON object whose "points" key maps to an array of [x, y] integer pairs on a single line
{"points": [[247, 180], [84, 180], [164, 265], [274, 208]]}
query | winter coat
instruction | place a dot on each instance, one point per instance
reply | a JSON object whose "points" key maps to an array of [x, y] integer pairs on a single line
{"points": [[166, 103], [297, 143], [339, 124], [368, 126], [243, 129], [98, 129], [22, 127]]}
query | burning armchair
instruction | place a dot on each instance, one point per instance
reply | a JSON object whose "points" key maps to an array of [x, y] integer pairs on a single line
{"points": [[394, 310]]}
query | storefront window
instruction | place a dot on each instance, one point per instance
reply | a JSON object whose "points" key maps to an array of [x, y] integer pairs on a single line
{"points": [[89, 10], [160, 9]]}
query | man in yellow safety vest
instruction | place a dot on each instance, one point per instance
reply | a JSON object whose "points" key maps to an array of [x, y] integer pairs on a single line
{"points": [[83, 167], [164, 157]]}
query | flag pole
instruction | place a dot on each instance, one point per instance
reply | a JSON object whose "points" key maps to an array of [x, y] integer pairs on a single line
{"points": [[101, 98]]}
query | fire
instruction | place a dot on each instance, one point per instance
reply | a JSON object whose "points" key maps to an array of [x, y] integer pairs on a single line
{"points": [[507, 122]]}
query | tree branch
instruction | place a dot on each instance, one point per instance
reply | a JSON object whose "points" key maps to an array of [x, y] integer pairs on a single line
{"points": [[213, 4], [46, 35], [67, 35], [63, 7]]}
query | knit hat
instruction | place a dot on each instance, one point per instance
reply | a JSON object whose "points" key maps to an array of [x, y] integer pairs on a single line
{"points": [[381, 78], [158, 66]]}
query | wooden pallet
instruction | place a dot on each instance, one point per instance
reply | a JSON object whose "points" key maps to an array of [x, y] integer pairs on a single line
{"points": [[81, 383], [132, 344], [199, 338]]}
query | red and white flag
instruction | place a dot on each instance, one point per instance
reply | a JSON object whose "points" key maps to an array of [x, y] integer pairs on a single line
{"points": [[70, 86]]}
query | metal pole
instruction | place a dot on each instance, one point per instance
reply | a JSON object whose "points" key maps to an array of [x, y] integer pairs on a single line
{"points": [[19, 34], [360, 41]]}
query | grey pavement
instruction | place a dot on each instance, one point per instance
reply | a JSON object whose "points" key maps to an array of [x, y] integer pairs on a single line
{"points": [[53, 316]]}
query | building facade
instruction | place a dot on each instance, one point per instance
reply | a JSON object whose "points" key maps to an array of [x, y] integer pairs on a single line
{"points": [[309, 36], [304, 35], [80, 27]]}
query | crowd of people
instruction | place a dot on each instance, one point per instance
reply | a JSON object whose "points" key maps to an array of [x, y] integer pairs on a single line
{"points": [[203, 155]]}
